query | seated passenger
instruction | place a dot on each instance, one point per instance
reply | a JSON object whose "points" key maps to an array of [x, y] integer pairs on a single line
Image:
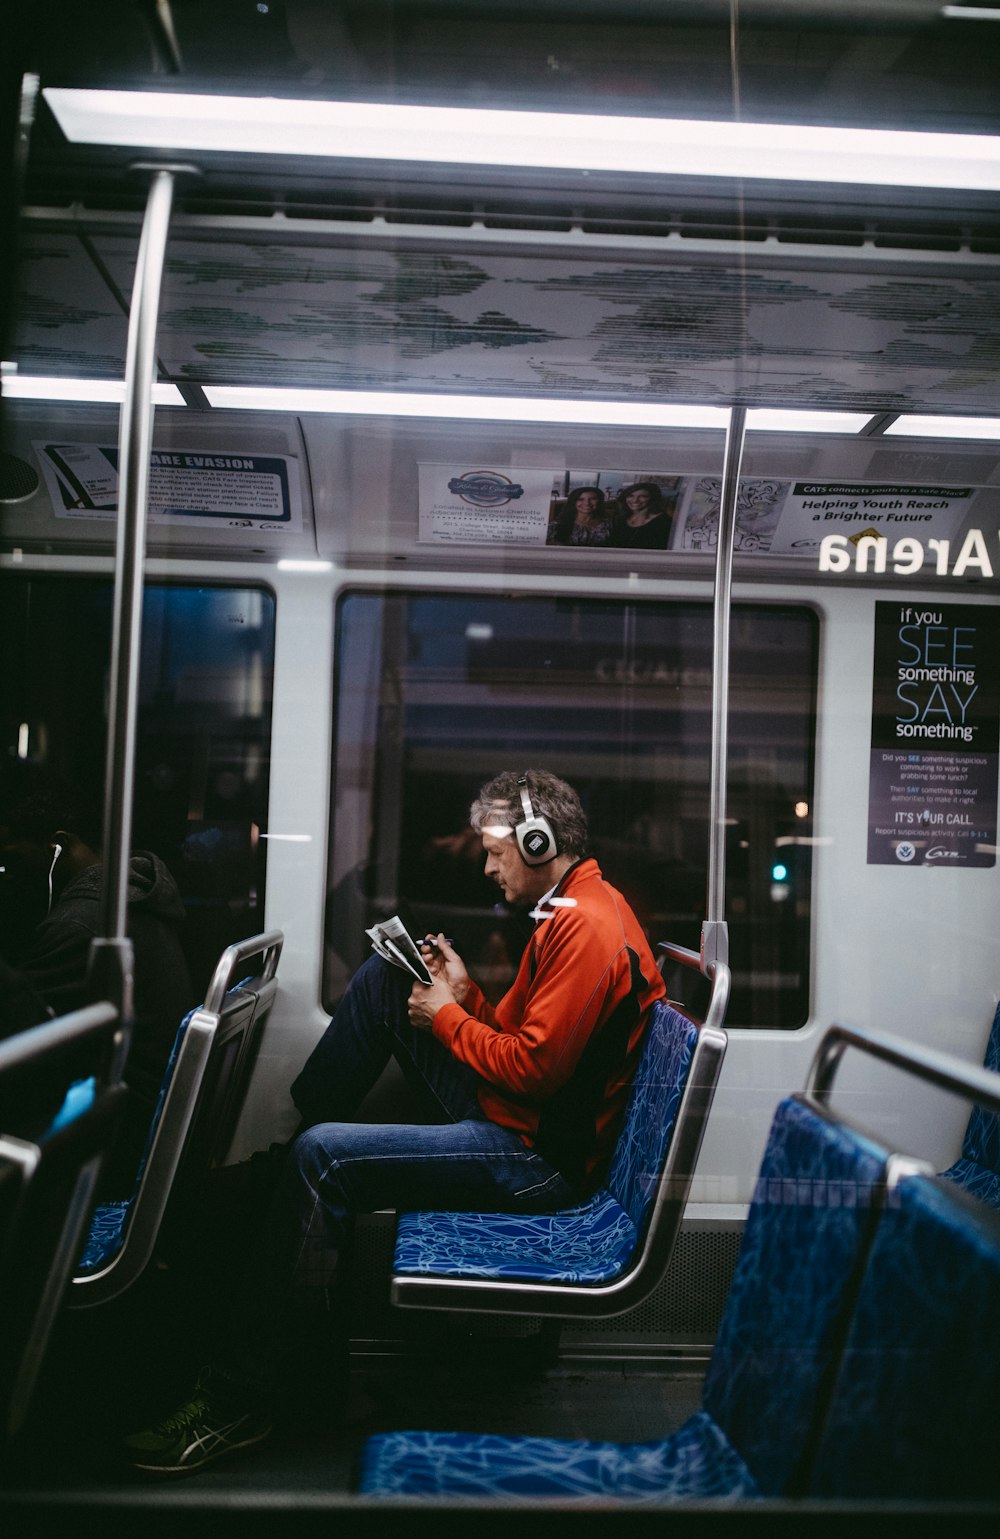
{"points": [[526, 1100], [46, 842]]}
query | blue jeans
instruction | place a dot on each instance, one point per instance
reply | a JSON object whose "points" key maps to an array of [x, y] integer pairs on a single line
{"points": [[337, 1169]]}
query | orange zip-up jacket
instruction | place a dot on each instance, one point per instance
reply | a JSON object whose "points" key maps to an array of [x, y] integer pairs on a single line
{"points": [[558, 1052]]}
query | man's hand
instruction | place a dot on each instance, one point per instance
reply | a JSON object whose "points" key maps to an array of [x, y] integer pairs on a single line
{"points": [[443, 961], [450, 985]]}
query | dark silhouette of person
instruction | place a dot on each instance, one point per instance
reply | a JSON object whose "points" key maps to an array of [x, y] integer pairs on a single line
{"points": [[50, 846]]}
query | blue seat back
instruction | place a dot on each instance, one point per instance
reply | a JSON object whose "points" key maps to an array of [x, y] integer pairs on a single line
{"points": [[654, 1099], [916, 1410], [790, 1301], [168, 1074], [200, 1097], [982, 1136]]}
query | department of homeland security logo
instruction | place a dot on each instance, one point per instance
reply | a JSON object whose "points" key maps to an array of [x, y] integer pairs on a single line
{"points": [[485, 488]]}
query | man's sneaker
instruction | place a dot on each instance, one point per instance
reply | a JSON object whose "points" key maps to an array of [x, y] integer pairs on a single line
{"points": [[220, 1417]]}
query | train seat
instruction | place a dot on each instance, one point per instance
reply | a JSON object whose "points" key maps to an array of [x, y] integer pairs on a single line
{"points": [[48, 1166], [201, 1094], [916, 1409], [621, 1236], [978, 1167], [785, 1320]]}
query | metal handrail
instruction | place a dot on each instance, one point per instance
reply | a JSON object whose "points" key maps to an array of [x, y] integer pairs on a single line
{"points": [[714, 931], [269, 942], [21, 1049], [718, 974], [939, 1069]]}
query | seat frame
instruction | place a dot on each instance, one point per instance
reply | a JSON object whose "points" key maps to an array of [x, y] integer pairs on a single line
{"points": [[531, 1296], [208, 1029], [48, 1181]]}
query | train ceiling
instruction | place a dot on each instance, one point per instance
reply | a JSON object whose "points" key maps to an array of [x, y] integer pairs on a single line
{"points": [[660, 325], [391, 277]]}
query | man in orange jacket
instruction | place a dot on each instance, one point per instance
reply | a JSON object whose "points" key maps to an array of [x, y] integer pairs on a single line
{"points": [[527, 1099]]}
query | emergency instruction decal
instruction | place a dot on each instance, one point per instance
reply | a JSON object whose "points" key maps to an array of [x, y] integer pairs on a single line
{"points": [[932, 796], [258, 492]]}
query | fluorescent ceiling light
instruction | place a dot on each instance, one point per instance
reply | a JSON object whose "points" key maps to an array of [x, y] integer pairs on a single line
{"points": [[945, 427], [264, 125], [763, 420], [39, 387], [291, 564], [476, 408]]}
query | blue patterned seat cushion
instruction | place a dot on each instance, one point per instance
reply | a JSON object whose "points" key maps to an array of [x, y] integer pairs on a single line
{"points": [[982, 1136], [104, 1238], [978, 1180], [589, 1243], [107, 1225], [695, 1462], [594, 1241], [789, 1302], [916, 1410], [978, 1168]]}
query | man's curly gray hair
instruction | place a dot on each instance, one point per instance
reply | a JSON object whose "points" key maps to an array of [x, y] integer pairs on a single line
{"points": [[498, 805]]}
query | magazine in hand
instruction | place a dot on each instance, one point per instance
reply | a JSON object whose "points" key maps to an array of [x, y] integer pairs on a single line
{"points": [[392, 940]]}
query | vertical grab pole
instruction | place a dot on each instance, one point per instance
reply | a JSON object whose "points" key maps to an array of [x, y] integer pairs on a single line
{"points": [[715, 931], [111, 953]]}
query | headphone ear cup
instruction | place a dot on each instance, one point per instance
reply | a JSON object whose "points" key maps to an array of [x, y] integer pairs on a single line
{"points": [[536, 841]]}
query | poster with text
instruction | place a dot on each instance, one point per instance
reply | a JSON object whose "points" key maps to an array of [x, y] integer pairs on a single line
{"points": [[932, 797], [817, 508], [186, 486], [585, 509]]}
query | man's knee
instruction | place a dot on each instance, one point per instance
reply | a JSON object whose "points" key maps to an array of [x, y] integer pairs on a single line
{"points": [[382, 986]]}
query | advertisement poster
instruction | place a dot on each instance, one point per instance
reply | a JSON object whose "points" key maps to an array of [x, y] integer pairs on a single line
{"points": [[932, 796], [817, 508], [186, 486], [595, 509], [637, 509], [759, 504]]}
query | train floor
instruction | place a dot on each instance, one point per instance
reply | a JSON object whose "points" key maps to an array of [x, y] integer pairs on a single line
{"points": [[106, 1375]]}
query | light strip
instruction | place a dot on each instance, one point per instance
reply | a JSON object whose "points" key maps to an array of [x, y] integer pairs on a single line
{"points": [[184, 122], [475, 408], [945, 427], [765, 420], [40, 387]]}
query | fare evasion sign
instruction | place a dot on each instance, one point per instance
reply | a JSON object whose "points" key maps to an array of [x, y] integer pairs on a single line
{"points": [[186, 486], [935, 722]]}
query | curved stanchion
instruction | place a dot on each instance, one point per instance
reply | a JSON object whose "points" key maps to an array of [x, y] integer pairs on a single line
{"points": [[926, 1063], [232, 959]]}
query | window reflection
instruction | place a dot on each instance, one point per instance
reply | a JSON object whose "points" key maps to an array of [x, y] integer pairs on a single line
{"points": [[203, 749], [434, 693]]}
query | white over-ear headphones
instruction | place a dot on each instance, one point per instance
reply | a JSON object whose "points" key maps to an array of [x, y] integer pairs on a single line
{"points": [[536, 838], [56, 852]]}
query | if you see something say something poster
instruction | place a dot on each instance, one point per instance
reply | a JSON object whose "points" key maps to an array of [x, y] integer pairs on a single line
{"points": [[932, 796]]}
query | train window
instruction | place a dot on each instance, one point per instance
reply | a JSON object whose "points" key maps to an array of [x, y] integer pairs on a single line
{"points": [[437, 691], [203, 747]]}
